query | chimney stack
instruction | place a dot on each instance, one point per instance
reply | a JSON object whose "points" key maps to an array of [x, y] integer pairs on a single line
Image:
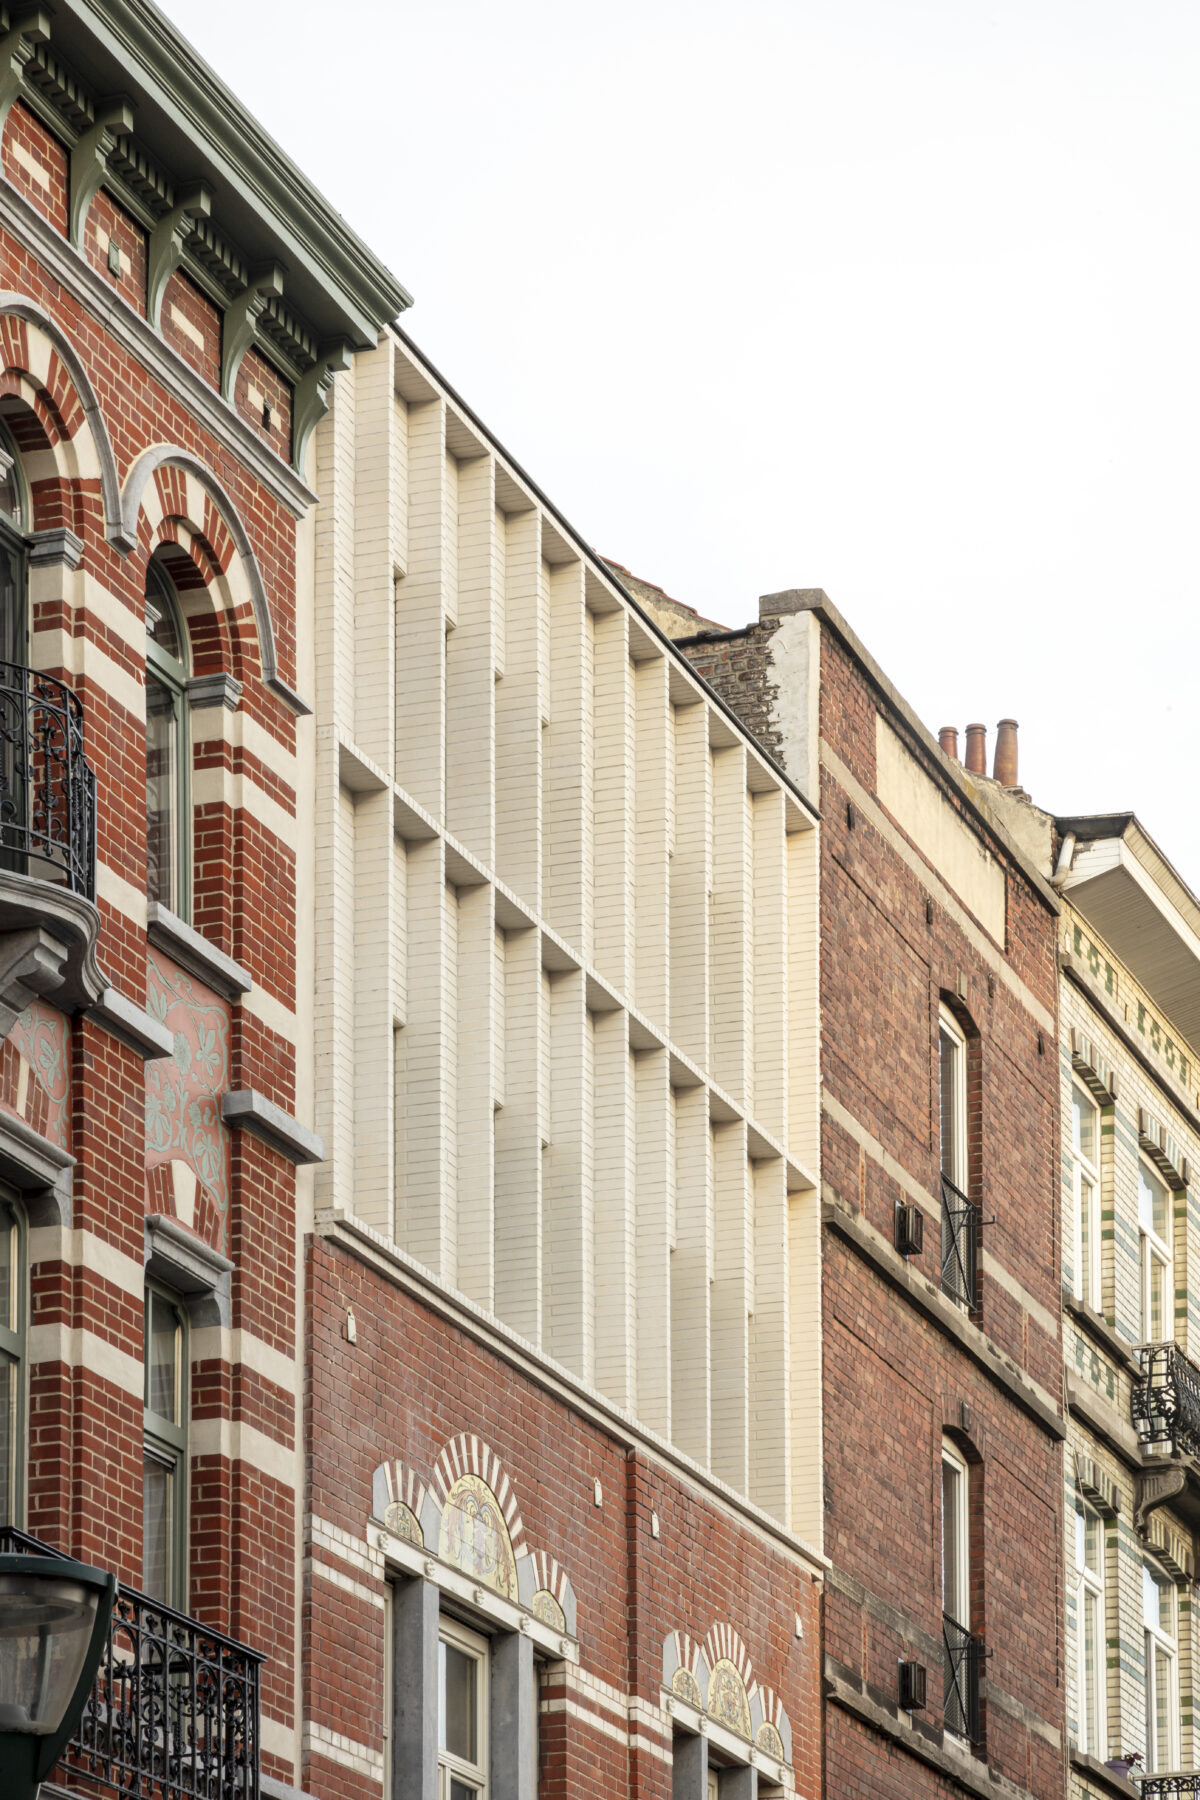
{"points": [[1004, 769], [977, 749], [948, 739]]}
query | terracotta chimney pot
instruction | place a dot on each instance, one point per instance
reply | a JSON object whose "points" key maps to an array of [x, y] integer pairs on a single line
{"points": [[1004, 769], [977, 749], [948, 739]]}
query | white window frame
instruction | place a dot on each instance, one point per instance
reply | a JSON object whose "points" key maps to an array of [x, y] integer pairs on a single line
{"points": [[960, 1611], [1090, 1585], [1156, 1639], [1085, 1182], [949, 1027], [450, 1767], [1153, 1249]]}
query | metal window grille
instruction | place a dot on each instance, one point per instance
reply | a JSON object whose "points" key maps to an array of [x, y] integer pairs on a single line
{"points": [[960, 1245], [963, 1655], [1165, 1404], [175, 1710], [47, 788]]}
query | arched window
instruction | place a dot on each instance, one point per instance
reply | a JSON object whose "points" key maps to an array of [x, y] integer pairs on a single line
{"points": [[14, 523], [12, 1363], [168, 748]]}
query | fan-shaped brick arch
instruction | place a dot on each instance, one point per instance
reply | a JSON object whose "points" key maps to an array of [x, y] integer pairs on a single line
{"points": [[169, 486], [50, 406]]}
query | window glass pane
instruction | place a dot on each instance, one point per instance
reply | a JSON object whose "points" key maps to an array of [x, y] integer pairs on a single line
{"points": [[8, 1270], [162, 776], [1084, 1125], [8, 1439], [158, 1518], [1087, 1238], [951, 1125], [162, 1358], [1158, 1601], [459, 1675], [1162, 1709], [161, 628], [1093, 1541], [1153, 1203], [1158, 1299], [462, 1790], [10, 483], [1091, 1668], [953, 1569]]}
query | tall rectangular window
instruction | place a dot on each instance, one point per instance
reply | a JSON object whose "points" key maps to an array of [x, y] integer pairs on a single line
{"points": [[1089, 1614], [12, 1363], [1085, 1159], [960, 1223], [1155, 1233], [164, 1483], [1162, 1669], [462, 1713], [960, 1648]]}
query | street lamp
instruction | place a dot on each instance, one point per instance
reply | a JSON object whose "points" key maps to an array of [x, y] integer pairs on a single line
{"points": [[54, 1618]]}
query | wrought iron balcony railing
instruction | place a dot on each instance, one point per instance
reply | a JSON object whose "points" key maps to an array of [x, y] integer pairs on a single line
{"points": [[960, 1245], [174, 1712], [1171, 1785], [47, 788], [1165, 1403], [963, 1656]]}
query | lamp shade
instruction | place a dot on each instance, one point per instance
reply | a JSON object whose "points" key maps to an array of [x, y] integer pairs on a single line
{"points": [[54, 1618]]}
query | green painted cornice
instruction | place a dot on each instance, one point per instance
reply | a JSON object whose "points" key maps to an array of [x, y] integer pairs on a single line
{"points": [[189, 122]]}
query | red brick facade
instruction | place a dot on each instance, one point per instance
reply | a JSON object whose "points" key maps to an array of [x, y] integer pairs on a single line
{"points": [[901, 1372], [82, 408], [661, 1553]]}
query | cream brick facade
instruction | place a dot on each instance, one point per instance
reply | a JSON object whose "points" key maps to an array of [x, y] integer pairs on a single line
{"points": [[1120, 1044], [566, 1005]]}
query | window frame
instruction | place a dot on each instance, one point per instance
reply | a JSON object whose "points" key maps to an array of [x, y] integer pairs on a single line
{"points": [[451, 1767], [954, 1460], [14, 1349], [166, 1441], [171, 675], [1153, 1249], [1087, 1271], [1154, 1638], [1090, 1583], [949, 1027]]}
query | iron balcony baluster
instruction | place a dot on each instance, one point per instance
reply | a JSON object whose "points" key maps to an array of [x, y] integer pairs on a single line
{"points": [[963, 1654], [174, 1713], [47, 788], [1170, 1786], [1165, 1403], [960, 1245]]}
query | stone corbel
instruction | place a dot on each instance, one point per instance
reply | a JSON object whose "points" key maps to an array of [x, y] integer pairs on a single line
{"points": [[89, 158], [241, 321], [55, 548], [28, 27], [310, 401], [31, 963], [1156, 1488], [165, 247]]}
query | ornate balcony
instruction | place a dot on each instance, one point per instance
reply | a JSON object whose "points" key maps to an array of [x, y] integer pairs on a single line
{"points": [[1171, 1786], [963, 1657], [47, 788], [174, 1713], [960, 1246], [49, 925], [1165, 1404]]}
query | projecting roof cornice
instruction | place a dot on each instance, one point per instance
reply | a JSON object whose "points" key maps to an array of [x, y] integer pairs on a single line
{"points": [[132, 100], [1120, 881]]}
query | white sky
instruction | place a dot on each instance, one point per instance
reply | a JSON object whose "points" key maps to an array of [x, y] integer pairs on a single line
{"points": [[894, 299]]}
